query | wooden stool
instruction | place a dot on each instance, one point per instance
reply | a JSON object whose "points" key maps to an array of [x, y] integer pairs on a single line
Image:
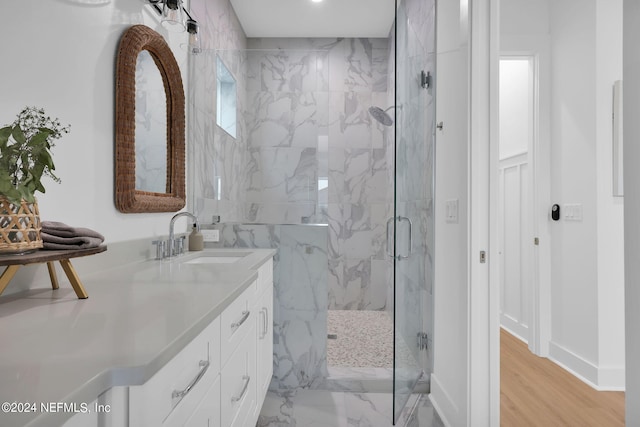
{"points": [[14, 262]]}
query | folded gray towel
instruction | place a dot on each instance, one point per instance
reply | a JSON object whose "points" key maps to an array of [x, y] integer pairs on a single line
{"points": [[57, 235], [59, 229]]}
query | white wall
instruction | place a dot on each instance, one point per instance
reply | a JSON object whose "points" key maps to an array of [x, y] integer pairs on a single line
{"points": [[573, 180], [586, 256], [61, 55], [632, 207], [610, 210], [449, 378]]}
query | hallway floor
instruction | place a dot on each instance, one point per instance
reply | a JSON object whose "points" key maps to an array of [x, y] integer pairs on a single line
{"points": [[534, 391], [316, 408]]}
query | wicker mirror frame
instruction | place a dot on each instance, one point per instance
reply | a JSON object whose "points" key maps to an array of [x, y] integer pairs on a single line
{"points": [[129, 200]]}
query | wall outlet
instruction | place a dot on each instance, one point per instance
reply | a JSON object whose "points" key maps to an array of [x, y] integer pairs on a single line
{"points": [[210, 235]]}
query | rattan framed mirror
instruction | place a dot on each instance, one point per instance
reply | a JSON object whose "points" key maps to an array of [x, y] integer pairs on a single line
{"points": [[129, 199]]}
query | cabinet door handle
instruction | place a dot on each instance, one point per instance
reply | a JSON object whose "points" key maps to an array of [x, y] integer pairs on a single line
{"points": [[266, 320], [179, 394], [263, 317], [246, 379], [245, 316]]}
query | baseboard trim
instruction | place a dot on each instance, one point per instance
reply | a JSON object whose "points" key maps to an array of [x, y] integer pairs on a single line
{"points": [[514, 328], [610, 378], [442, 402]]}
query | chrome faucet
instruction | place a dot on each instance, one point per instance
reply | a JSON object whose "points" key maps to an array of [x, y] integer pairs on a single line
{"points": [[172, 250]]}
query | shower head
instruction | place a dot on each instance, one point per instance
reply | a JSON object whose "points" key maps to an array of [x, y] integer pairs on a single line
{"points": [[381, 115]]}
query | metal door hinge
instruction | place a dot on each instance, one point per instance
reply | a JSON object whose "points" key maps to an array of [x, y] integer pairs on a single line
{"points": [[425, 79], [483, 257], [423, 341], [536, 241]]}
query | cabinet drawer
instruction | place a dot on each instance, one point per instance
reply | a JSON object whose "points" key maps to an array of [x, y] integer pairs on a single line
{"points": [[238, 383], [180, 384], [207, 413], [235, 322]]}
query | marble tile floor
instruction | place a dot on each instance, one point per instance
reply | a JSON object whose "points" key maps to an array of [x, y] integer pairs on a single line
{"points": [[315, 408]]}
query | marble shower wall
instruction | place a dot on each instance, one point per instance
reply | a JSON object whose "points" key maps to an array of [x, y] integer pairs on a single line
{"points": [[217, 161], [315, 152], [306, 150], [415, 136], [300, 297]]}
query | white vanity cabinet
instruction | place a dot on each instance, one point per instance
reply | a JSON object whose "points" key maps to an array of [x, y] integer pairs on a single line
{"points": [[170, 396], [264, 329], [221, 377], [248, 371]]}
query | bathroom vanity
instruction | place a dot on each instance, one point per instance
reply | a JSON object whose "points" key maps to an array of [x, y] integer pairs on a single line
{"points": [[181, 342]]}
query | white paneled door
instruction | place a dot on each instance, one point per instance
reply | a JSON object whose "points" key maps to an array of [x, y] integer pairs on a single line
{"points": [[515, 256]]}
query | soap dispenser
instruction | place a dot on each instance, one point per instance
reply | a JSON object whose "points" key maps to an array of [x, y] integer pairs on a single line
{"points": [[196, 241]]}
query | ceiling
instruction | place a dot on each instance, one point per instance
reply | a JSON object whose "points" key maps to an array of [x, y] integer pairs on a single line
{"points": [[304, 18]]}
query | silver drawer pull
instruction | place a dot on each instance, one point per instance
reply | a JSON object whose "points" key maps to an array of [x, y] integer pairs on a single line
{"points": [[266, 321], [204, 365], [245, 316], [263, 316], [246, 379]]}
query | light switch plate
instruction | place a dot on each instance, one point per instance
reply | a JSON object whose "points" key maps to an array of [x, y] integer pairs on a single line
{"points": [[210, 235], [572, 212], [451, 211]]}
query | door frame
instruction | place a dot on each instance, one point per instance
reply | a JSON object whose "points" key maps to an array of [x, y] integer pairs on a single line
{"points": [[536, 47]]}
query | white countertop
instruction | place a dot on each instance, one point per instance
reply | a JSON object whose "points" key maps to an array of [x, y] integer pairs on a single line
{"points": [[57, 348]]}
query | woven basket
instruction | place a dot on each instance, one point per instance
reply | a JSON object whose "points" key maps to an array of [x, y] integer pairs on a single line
{"points": [[19, 227]]}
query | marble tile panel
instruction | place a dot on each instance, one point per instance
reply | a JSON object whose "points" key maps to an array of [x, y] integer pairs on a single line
{"points": [[283, 175], [281, 213], [341, 409], [285, 119], [349, 119], [289, 71], [303, 408], [357, 279], [356, 233], [379, 188], [299, 348], [336, 230], [381, 281], [357, 172], [250, 236], [335, 285], [303, 268], [337, 159], [381, 244], [369, 409], [366, 66]]}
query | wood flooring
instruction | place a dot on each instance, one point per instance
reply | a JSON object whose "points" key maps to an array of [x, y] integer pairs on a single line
{"points": [[534, 391]]}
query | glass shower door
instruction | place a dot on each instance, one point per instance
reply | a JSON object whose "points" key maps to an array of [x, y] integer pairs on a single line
{"points": [[413, 195]]}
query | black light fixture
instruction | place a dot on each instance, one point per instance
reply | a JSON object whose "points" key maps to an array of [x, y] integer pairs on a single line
{"points": [[172, 13], [194, 39], [172, 17]]}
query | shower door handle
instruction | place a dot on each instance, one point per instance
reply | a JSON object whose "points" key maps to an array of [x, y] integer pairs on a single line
{"points": [[400, 220], [404, 218], [389, 221]]}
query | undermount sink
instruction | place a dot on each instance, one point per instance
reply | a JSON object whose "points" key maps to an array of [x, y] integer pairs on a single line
{"points": [[216, 258]]}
